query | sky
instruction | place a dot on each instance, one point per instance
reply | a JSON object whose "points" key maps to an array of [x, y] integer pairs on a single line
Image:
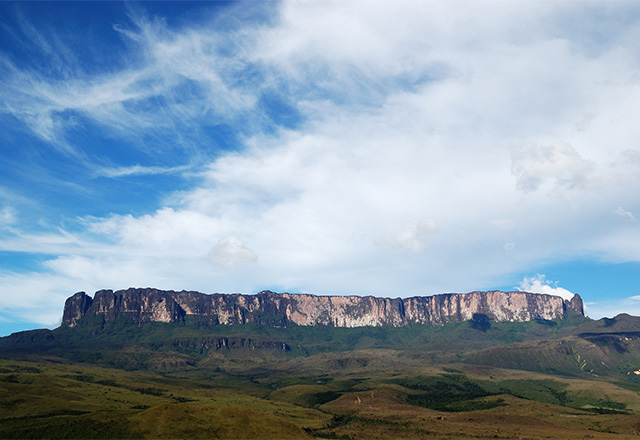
{"points": [[394, 149]]}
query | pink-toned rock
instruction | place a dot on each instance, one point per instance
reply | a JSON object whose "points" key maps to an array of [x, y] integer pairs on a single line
{"points": [[152, 305]]}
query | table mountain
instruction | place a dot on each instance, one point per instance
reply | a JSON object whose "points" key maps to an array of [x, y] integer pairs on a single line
{"points": [[278, 309]]}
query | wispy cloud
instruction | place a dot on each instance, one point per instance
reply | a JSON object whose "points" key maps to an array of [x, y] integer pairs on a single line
{"points": [[626, 214], [7, 216], [426, 127], [178, 83], [138, 170]]}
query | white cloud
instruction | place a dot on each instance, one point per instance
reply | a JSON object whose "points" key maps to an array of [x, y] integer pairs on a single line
{"points": [[626, 214], [561, 164], [230, 251], [539, 284], [509, 246], [7, 216], [139, 170], [631, 157], [34, 297], [175, 83], [412, 237], [410, 113]]}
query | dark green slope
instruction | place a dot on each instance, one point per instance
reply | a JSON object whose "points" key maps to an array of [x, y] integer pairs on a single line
{"points": [[160, 346], [609, 347]]}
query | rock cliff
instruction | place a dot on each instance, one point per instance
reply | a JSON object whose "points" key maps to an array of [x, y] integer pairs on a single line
{"points": [[279, 309]]}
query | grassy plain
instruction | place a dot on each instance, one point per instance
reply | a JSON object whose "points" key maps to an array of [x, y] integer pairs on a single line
{"points": [[358, 395], [162, 381]]}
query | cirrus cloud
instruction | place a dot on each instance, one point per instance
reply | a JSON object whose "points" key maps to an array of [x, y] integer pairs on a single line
{"points": [[354, 147]]}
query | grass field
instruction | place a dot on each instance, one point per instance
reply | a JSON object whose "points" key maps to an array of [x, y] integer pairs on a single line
{"points": [[361, 394], [569, 379]]}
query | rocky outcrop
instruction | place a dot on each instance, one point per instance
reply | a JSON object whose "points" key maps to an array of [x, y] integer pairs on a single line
{"points": [[137, 305], [575, 305], [279, 309], [75, 308]]}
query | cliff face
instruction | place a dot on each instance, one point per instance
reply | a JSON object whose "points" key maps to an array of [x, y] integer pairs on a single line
{"points": [[152, 305]]}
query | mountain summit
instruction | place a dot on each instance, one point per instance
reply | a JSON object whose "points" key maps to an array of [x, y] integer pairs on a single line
{"points": [[279, 309]]}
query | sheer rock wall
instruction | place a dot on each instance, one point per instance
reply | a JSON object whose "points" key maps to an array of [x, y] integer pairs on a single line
{"points": [[153, 305]]}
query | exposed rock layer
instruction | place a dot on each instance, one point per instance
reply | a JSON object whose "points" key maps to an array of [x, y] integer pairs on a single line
{"points": [[152, 305]]}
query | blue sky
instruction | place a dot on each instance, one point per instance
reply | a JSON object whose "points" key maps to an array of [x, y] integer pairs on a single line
{"points": [[350, 147]]}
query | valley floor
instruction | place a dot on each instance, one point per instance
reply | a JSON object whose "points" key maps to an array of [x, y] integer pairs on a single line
{"points": [[366, 394]]}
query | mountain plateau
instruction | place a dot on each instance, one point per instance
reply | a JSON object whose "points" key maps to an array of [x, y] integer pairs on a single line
{"points": [[280, 309]]}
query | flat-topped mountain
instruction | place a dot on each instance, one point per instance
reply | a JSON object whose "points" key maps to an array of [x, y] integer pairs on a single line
{"points": [[138, 356], [278, 309]]}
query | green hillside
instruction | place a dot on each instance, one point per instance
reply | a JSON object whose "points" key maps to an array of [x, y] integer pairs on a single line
{"points": [[542, 379]]}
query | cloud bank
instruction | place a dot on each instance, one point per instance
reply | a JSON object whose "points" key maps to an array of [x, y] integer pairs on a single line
{"points": [[337, 148]]}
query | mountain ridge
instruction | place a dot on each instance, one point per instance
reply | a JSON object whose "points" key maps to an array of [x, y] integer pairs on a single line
{"points": [[179, 357], [277, 309]]}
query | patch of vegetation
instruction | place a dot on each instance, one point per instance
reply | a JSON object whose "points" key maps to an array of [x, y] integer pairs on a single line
{"points": [[548, 391], [451, 392], [21, 369], [606, 403], [150, 391], [323, 397]]}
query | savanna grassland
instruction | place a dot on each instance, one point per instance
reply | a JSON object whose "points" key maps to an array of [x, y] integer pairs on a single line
{"points": [[159, 381]]}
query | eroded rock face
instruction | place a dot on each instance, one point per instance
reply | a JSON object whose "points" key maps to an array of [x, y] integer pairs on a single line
{"points": [[75, 307], [137, 305], [575, 305], [278, 309]]}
